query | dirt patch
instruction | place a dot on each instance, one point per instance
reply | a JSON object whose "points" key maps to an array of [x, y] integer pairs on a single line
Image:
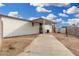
{"points": [[15, 45], [71, 42]]}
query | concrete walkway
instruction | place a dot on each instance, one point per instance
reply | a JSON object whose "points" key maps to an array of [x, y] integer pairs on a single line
{"points": [[46, 45]]}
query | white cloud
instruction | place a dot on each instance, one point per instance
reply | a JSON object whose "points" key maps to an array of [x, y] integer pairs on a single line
{"points": [[59, 20], [41, 9], [13, 14], [1, 5], [60, 4], [73, 21], [65, 22], [38, 4], [64, 11], [20, 17], [63, 15], [32, 18], [50, 17], [49, 4], [72, 10], [77, 15]]}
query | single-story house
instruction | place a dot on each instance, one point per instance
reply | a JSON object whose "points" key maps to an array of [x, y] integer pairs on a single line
{"points": [[12, 26]]}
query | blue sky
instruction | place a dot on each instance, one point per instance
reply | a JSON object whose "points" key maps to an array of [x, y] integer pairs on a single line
{"points": [[60, 11], [26, 10]]}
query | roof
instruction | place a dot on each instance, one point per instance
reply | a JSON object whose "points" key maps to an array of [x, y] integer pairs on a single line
{"points": [[41, 20], [14, 18]]}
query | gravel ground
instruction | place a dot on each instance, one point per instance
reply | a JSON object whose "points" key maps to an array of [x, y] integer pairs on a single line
{"points": [[15, 45], [71, 42]]}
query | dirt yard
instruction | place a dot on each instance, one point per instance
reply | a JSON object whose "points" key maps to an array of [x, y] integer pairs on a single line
{"points": [[15, 45], [71, 42]]}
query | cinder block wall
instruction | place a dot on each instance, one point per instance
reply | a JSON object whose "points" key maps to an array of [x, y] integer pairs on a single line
{"points": [[73, 30]]}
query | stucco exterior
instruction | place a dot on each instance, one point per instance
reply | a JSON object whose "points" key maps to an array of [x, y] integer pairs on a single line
{"points": [[47, 27], [1, 25], [14, 27], [17, 27]]}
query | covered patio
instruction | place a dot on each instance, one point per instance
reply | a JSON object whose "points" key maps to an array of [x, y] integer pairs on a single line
{"points": [[42, 22]]}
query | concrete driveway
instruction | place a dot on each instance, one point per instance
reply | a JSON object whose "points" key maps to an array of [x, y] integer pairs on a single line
{"points": [[46, 45]]}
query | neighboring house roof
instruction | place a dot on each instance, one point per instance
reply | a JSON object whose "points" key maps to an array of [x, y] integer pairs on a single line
{"points": [[14, 18]]}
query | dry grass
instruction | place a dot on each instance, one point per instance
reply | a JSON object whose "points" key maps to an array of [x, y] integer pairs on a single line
{"points": [[16, 45], [71, 42]]}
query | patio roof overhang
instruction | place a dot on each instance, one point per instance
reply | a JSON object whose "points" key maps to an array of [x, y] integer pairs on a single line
{"points": [[43, 21]]}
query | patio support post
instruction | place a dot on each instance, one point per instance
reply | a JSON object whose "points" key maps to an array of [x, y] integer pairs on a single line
{"points": [[43, 26], [54, 29], [66, 32]]}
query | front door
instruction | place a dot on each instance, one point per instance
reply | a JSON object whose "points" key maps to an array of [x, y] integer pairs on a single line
{"points": [[40, 28]]}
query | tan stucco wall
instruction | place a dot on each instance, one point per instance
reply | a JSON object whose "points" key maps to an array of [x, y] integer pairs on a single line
{"points": [[47, 27]]}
